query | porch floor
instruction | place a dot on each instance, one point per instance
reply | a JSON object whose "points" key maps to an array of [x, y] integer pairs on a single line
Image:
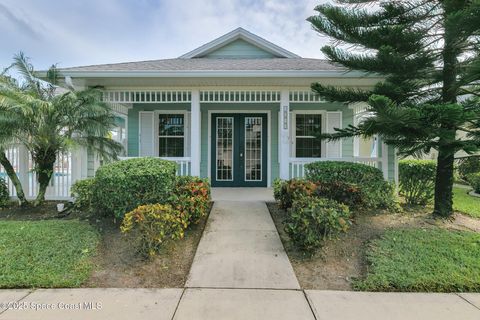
{"points": [[242, 194]]}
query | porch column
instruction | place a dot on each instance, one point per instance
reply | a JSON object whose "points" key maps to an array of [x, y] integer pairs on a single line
{"points": [[195, 133], [284, 143], [23, 168], [385, 160]]}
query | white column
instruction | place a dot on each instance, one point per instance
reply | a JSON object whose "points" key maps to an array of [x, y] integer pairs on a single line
{"points": [[284, 143], [385, 160], [23, 157], [195, 127]]}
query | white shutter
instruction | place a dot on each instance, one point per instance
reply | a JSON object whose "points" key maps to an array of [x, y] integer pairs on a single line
{"points": [[334, 148], [146, 134]]}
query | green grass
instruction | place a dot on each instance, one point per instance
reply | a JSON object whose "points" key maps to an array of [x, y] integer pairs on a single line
{"points": [[424, 260], [47, 254], [466, 203]]}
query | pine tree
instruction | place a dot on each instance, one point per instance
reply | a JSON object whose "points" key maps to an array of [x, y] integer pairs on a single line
{"points": [[428, 53]]}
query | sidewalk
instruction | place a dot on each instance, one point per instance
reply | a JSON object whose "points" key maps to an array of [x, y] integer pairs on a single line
{"points": [[251, 304]]}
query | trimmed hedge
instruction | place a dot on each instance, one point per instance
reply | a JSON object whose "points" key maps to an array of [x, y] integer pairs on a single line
{"points": [[417, 180], [312, 219], [124, 185], [468, 166], [287, 191], [83, 191], [4, 194], [474, 180], [374, 191]]}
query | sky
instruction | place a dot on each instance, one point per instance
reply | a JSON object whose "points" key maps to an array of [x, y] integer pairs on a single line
{"points": [[85, 32]]}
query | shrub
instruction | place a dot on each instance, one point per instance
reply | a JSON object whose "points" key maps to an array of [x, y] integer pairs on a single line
{"points": [[4, 194], [83, 191], [312, 219], [192, 198], [417, 180], [468, 166], [122, 186], [474, 180], [346, 193], [151, 225], [285, 192], [374, 190]]}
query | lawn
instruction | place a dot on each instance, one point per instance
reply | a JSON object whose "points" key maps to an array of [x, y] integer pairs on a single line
{"points": [[466, 203], [49, 253], [423, 260]]}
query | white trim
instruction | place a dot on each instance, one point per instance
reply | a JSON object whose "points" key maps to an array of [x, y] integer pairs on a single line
{"points": [[195, 132], [294, 113], [269, 139], [221, 74], [284, 132], [302, 96], [156, 133], [117, 97], [235, 96], [236, 34], [140, 132]]}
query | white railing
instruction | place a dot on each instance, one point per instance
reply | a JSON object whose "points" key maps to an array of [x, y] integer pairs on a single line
{"points": [[184, 164], [59, 186], [297, 165]]}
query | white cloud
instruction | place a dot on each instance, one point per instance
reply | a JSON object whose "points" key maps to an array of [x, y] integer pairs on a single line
{"points": [[92, 31]]}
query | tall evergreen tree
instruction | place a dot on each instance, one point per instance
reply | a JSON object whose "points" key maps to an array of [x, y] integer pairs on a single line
{"points": [[428, 52]]}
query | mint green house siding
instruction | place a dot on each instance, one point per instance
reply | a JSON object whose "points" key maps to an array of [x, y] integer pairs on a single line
{"points": [[133, 121], [239, 49]]}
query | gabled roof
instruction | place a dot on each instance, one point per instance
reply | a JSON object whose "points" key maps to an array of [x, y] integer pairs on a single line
{"points": [[239, 34]]}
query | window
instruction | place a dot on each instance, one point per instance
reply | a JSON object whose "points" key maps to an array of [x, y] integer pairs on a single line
{"points": [[171, 135], [307, 128]]}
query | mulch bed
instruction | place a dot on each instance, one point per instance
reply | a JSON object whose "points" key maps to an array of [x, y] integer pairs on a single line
{"points": [[340, 260]]}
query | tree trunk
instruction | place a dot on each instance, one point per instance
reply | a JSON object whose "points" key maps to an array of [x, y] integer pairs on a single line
{"points": [[44, 168], [444, 184], [13, 177]]}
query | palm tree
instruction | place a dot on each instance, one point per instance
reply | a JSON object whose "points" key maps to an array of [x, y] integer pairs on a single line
{"points": [[47, 121]]}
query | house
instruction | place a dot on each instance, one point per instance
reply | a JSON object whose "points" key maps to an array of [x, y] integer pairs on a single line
{"points": [[238, 110]]}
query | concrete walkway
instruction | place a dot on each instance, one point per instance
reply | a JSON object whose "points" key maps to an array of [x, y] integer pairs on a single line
{"points": [[240, 272], [240, 247]]}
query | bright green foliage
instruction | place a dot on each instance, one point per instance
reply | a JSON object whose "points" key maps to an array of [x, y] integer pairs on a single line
{"points": [[430, 260], [47, 120], [149, 226], [427, 55], [46, 254], [375, 192], [122, 186], [417, 180], [467, 166], [286, 192], [474, 180], [465, 203], [192, 198], [313, 219], [83, 191], [4, 194]]}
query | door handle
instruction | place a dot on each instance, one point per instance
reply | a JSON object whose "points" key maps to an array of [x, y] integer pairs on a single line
{"points": [[241, 154]]}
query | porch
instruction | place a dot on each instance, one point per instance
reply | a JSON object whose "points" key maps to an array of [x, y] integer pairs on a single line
{"points": [[177, 125]]}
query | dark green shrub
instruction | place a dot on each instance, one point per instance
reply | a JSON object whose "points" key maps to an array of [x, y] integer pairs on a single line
{"points": [[149, 226], [312, 219], [346, 193], [467, 166], [82, 191], [474, 180], [375, 191], [4, 194], [285, 192], [122, 186], [417, 180], [192, 198]]}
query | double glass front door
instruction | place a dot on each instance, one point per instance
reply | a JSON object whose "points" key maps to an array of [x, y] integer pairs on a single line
{"points": [[239, 150]]}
